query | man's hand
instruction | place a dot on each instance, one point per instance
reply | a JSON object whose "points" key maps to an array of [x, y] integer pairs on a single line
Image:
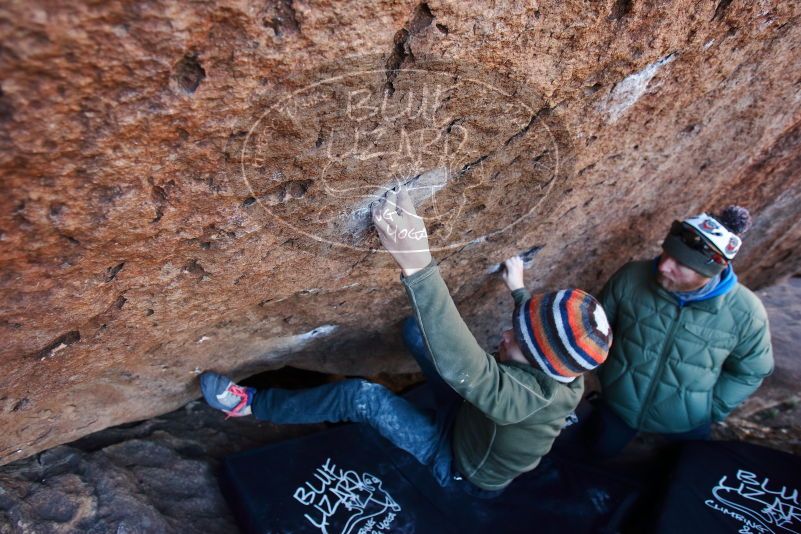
{"points": [[513, 273], [401, 230]]}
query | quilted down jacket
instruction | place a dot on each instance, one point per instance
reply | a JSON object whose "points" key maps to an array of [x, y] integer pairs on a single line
{"points": [[675, 366]]}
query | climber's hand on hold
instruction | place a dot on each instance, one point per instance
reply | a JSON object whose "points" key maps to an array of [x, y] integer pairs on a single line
{"points": [[512, 273], [401, 230]]}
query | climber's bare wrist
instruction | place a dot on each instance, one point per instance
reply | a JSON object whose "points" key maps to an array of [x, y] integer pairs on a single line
{"points": [[408, 272]]}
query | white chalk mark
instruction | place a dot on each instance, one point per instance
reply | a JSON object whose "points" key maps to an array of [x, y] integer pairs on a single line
{"points": [[630, 89], [421, 188], [320, 331]]}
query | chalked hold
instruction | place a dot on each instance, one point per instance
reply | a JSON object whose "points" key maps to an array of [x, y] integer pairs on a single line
{"points": [[350, 480]]}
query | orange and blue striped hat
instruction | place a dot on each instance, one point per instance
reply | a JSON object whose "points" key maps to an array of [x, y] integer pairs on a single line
{"points": [[564, 333]]}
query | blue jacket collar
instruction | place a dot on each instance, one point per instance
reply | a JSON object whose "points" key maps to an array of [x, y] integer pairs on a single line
{"points": [[728, 280]]}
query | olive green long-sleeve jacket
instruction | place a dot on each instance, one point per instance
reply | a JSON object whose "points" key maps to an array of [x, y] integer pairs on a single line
{"points": [[511, 412]]}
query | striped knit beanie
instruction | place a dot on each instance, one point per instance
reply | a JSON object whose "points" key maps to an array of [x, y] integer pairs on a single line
{"points": [[564, 333]]}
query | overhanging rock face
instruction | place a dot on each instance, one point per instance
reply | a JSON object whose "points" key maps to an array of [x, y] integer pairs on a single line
{"points": [[187, 187]]}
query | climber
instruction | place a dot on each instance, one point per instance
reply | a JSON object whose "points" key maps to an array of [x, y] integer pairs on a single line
{"points": [[691, 343], [515, 407]]}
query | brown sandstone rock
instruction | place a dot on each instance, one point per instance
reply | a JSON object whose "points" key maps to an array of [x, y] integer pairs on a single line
{"points": [[184, 185]]}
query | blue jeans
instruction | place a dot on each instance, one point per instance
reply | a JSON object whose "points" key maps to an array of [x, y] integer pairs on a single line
{"points": [[421, 433], [606, 434]]}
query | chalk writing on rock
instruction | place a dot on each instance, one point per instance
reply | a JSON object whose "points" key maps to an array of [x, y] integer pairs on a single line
{"points": [[458, 135]]}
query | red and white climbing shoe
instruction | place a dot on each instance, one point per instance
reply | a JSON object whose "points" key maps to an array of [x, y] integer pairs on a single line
{"points": [[223, 394]]}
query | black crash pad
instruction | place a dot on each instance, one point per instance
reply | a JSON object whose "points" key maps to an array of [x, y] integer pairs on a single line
{"points": [[732, 487], [351, 480]]}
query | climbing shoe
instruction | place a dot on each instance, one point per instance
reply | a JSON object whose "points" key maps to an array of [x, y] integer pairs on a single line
{"points": [[221, 393]]}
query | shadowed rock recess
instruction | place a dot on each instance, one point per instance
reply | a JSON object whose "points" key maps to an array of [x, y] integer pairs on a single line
{"points": [[187, 187]]}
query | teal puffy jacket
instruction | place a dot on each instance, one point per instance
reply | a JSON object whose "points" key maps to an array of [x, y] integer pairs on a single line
{"points": [[675, 366]]}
